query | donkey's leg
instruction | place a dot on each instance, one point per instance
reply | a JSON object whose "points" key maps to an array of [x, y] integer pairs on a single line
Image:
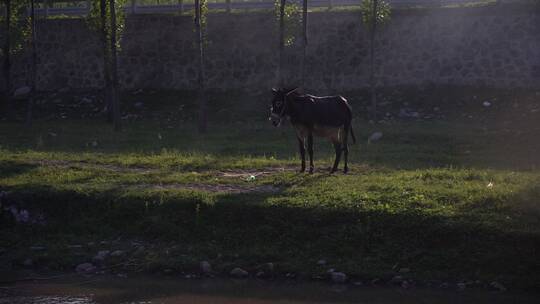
{"points": [[346, 148], [302, 146], [310, 151], [337, 146]]}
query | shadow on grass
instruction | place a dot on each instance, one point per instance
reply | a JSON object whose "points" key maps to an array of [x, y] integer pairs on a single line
{"points": [[247, 230], [10, 169]]}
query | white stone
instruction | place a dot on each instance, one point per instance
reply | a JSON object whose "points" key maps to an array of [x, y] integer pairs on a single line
{"points": [[376, 136]]}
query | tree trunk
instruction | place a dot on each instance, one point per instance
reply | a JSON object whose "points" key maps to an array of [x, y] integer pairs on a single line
{"points": [[304, 44], [281, 41], [203, 117], [33, 76], [114, 67], [106, 61], [7, 60], [372, 61]]}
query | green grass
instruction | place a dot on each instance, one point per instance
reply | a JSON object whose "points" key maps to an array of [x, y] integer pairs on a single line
{"points": [[420, 198]]}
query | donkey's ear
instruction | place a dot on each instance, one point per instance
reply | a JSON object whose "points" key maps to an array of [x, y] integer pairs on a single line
{"points": [[292, 91], [274, 90]]}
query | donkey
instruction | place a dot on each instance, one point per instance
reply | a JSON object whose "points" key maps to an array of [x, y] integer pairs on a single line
{"points": [[329, 117]]}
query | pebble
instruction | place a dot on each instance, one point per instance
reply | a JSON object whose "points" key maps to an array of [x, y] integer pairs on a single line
{"points": [[321, 262], [22, 91], [101, 256], [85, 268], [396, 280], [205, 267], [461, 286], [338, 277], [239, 273], [117, 253], [404, 270], [28, 262], [269, 267], [497, 286]]}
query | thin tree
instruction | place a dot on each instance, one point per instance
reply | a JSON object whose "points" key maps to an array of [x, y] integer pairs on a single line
{"points": [[33, 63], [6, 69], [199, 23], [305, 40], [281, 41], [114, 67], [372, 61], [106, 59], [374, 13]]}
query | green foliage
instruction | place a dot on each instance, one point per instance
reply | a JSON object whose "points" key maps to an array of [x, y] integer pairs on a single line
{"points": [[204, 17], [382, 13], [20, 29], [94, 20], [292, 21]]}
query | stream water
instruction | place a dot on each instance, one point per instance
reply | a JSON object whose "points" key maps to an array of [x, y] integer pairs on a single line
{"points": [[152, 290]]}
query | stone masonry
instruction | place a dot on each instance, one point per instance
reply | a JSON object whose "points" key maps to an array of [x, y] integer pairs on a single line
{"points": [[497, 47]]}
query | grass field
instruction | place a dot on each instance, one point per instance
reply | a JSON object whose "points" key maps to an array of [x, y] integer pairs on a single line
{"points": [[450, 200]]}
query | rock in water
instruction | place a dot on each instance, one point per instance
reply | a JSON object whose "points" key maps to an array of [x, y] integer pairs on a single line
{"points": [[239, 273], [85, 268], [338, 277]]}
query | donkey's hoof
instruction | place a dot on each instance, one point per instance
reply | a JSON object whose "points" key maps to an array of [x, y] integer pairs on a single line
{"points": [[345, 170], [311, 170]]}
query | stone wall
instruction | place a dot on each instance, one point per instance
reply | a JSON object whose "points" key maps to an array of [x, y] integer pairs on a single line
{"points": [[497, 47]]}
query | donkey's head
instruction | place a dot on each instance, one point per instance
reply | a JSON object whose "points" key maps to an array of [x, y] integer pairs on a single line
{"points": [[279, 107]]}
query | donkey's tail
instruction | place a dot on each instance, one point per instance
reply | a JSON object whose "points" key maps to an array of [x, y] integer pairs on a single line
{"points": [[352, 135]]}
